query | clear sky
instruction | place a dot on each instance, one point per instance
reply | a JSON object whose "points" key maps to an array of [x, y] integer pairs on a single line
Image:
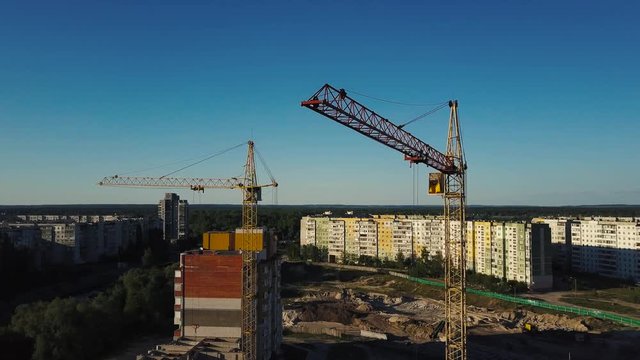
{"points": [[549, 96]]}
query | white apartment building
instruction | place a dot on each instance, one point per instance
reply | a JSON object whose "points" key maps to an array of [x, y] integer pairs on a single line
{"points": [[402, 237], [427, 233], [66, 218], [501, 249], [606, 246], [81, 242], [367, 238], [307, 231], [337, 240]]}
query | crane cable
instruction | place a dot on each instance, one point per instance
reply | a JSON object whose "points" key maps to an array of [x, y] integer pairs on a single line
{"points": [[175, 162], [264, 164], [438, 105], [274, 193], [203, 160], [392, 101], [432, 111]]}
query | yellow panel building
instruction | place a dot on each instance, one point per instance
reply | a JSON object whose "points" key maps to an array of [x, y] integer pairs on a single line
{"points": [[385, 236]]}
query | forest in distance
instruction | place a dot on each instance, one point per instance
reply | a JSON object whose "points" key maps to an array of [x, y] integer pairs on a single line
{"points": [[285, 219], [489, 212]]}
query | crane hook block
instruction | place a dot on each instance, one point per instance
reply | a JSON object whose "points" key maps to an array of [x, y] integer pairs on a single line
{"points": [[197, 188]]}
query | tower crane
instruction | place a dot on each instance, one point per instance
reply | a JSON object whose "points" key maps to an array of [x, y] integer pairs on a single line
{"points": [[252, 193], [339, 107]]}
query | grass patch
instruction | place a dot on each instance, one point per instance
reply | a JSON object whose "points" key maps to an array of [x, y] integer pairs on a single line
{"points": [[588, 281], [628, 294], [604, 305]]}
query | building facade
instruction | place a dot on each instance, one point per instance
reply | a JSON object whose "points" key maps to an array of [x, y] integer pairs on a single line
{"points": [[607, 246], [505, 250], [76, 242], [174, 215], [208, 290]]}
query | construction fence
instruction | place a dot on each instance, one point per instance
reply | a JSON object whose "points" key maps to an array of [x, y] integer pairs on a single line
{"points": [[531, 302]]}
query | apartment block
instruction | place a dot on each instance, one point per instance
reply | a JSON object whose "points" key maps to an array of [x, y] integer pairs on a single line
{"points": [[498, 264], [76, 242], [402, 237], [517, 252], [308, 231], [337, 240], [560, 239], [174, 214], [501, 249], [540, 255], [65, 218], [481, 239], [428, 235], [385, 237], [367, 237], [352, 243], [606, 246]]}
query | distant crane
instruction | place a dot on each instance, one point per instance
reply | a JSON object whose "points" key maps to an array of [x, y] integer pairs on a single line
{"points": [[252, 193], [338, 106]]}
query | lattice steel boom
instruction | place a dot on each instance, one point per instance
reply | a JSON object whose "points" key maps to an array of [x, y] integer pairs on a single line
{"points": [[338, 106], [172, 182]]}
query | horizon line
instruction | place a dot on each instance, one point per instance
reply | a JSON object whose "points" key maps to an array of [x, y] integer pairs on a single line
{"points": [[319, 205]]}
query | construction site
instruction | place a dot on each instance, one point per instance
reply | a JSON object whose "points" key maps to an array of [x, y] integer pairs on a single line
{"points": [[229, 300], [342, 312], [454, 180]]}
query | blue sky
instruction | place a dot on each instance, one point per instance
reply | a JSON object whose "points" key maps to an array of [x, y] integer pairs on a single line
{"points": [[549, 96]]}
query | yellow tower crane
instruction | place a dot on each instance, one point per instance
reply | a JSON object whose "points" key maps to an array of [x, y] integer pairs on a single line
{"points": [[251, 194], [449, 182]]}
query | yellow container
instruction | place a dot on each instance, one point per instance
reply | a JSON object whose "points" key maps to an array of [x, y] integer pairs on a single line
{"points": [[218, 240], [252, 240], [205, 240]]}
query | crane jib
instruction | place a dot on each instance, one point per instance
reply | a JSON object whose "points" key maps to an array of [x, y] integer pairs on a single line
{"points": [[337, 106]]}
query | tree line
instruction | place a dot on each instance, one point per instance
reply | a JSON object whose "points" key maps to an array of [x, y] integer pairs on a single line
{"points": [[140, 302]]}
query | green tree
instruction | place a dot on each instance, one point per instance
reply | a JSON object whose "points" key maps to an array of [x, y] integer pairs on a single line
{"points": [[141, 301], [313, 253], [400, 259], [148, 259], [293, 251]]}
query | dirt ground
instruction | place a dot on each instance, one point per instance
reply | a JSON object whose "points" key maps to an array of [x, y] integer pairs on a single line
{"points": [[326, 311]]}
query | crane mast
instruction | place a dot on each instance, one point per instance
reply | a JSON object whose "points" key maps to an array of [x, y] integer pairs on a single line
{"points": [[251, 194], [339, 107], [455, 253]]}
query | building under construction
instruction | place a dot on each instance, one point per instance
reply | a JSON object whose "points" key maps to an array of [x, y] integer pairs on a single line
{"points": [[209, 295]]}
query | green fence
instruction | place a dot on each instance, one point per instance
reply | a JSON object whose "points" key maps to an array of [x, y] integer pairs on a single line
{"points": [[531, 302]]}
